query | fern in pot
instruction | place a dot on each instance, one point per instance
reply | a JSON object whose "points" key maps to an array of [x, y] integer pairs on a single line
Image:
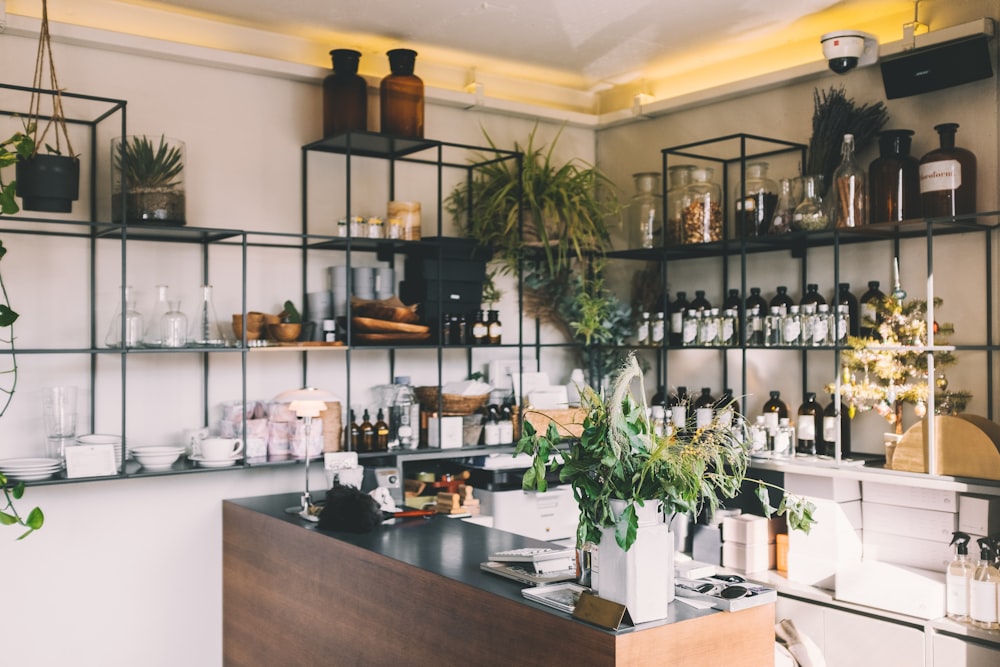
{"points": [[628, 479], [149, 174]]}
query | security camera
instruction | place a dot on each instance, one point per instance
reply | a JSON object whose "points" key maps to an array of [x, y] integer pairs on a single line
{"points": [[847, 49]]}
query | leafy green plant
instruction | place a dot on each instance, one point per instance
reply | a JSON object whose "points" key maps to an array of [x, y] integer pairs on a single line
{"points": [[290, 314], [620, 456], [18, 146], [145, 166], [9, 516]]}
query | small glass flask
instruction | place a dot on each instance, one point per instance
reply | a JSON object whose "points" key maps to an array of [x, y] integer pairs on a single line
{"points": [[345, 95], [402, 97], [173, 326], [784, 212], [205, 329], [850, 199], [151, 337], [646, 211], [126, 327], [809, 215]]}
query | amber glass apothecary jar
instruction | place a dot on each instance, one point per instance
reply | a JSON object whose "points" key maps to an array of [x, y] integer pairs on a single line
{"points": [[401, 95], [894, 179], [948, 177], [345, 95], [702, 219]]}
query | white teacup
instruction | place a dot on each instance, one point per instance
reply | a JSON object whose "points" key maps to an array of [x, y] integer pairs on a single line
{"points": [[217, 449]]}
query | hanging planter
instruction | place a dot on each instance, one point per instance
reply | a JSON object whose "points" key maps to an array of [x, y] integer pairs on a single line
{"points": [[48, 182]]}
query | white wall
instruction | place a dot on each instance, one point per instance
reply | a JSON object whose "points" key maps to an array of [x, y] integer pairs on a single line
{"points": [[129, 572]]}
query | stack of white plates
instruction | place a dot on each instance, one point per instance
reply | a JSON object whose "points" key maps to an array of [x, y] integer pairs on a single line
{"points": [[30, 469]]}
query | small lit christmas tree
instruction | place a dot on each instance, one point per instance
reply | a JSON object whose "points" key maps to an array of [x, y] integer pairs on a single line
{"points": [[884, 373]]}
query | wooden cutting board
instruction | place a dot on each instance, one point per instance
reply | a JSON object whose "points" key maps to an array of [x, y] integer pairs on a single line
{"points": [[371, 325], [391, 337]]}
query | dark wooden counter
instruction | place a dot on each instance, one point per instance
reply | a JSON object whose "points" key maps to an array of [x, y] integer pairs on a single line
{"points": [[412, 594]]}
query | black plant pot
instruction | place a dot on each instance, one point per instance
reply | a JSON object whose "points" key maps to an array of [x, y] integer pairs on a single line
{"points": [[48, 183]]}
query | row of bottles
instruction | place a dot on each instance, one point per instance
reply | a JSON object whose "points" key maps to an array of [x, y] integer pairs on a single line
{"points": [[401, 96], [896, 187], [395, 427], [677, 411], [483, 328], [814, 432], [498, 425], [759, 322], [973, 590]]}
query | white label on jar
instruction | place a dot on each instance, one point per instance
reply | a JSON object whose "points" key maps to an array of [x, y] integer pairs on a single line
{"points": [[807, 427], [941, 175], [678, 416], [830, 428], [759, 439], [958, 595], [791, 330], [676, 321], [782, 443], [710, 331], [983, 601], [703, 417], [771, 422], [642, 335], [690, 335], [728, 330], [658, 330]]}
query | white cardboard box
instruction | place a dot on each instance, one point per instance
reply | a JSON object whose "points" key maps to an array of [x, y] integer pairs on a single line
{"points": [[450, 432], [757, 557], [904, 590], [910, 496], [750, 529], [836, 527], [827, 488], [912, 552], [908, 522], [551, 515], [979, 514], [816, 571]]}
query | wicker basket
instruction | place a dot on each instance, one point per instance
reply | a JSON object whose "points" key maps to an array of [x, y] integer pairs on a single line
{"points": [[451, 404]]}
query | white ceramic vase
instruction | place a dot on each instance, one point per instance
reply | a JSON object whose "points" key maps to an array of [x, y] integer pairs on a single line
{"points": [[641, 578]]}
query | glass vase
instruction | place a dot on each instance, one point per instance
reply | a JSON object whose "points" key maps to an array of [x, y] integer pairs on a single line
{"points": [[809, 215], [126, 327], [205, 328], [173, 326]]}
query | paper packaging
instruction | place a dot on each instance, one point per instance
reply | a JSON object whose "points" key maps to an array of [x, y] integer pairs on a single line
{"points": [[706, 544], [450, 429], [904, 590], [757, 557], [826, 488], [909, 496], [834, 542], [979, 515], [909, 551], [90, 461], [908, 522], [750, 529]]}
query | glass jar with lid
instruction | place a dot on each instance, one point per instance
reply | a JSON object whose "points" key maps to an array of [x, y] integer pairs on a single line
{"points": [[702, 219], [809, 215], [756, 199], [678, 180], [894, 179], [646, 211]]}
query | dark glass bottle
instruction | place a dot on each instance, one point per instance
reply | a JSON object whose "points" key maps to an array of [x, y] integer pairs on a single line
{"points": [[812, 295], [677, 308], [728, 402], [704, 408], [810, 423], [831, 423], [659, 398], [494, 329], [844, 296], [894, 179], [869, 311], [381, 432], [402, 97], [700, 302], [367, 430], [948, 177], [480, 329], [782, 300], [735, 303], [345, 95], [354, 434], [774, 411], [755, 324]]}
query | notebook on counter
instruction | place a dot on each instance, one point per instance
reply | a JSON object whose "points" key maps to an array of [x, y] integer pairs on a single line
{"points": [[518, 572]]}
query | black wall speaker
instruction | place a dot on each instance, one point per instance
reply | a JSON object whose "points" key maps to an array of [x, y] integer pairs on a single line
{"points": [[935, 67]]}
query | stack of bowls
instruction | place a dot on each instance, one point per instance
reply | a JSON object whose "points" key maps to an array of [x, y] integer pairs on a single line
{"points": [[30, 469], [104, 439], [155, 458]]}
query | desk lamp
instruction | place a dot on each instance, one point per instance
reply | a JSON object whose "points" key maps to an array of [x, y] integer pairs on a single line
{"points": [[306, 403]]}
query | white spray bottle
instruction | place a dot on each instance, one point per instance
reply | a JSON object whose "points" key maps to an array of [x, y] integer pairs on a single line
{"points": [[957, 579], [983, 589]]}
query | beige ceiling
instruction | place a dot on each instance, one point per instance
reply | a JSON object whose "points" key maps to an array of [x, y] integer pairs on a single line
{"points": [[660, 48]]}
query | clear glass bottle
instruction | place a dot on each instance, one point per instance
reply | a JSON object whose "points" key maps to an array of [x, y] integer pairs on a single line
{"points": [[983, 587], [756, 201], [784, 211], [791, 327], [948, 177], [173, 326], [345, 95], [772, 327], [205, 329], [728, 328], [657, 329], [894, 179], [678, 180], [402, 97], [702, 221], [642, 329], [151, 337], [758, 437], [822, 325], [691, 327], [850, 198], [807, 320], [646, 211], [404, 415], [126, 328], [842, 325], [809, 215], [784, 439], [708, 327], [958, 576]]}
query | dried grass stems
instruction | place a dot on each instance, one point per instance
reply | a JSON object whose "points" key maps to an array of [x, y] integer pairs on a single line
{"points": [[834, 115]]}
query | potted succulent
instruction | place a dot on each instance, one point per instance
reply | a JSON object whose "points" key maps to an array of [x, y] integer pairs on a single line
{"points": [[149, 172], [48, 182], [627, 476]]}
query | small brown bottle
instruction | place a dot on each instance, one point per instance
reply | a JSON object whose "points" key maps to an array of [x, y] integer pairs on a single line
{"points": [[381, 432], [354, 433], [367, 434], [402, 97], [345, 95], [948, 177]]}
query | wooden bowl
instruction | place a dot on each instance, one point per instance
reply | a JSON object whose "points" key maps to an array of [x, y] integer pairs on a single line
{"points": [[284, 332], [255, 325]]}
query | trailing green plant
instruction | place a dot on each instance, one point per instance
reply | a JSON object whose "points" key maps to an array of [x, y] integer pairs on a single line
{"points": [[9, 515], [18, 146], [147, 167], [620, 456], [834, 115]]}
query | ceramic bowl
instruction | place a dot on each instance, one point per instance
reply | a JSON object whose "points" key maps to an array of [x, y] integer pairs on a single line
{"points": [[156, 457], [255, 325], [285, 332]]}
